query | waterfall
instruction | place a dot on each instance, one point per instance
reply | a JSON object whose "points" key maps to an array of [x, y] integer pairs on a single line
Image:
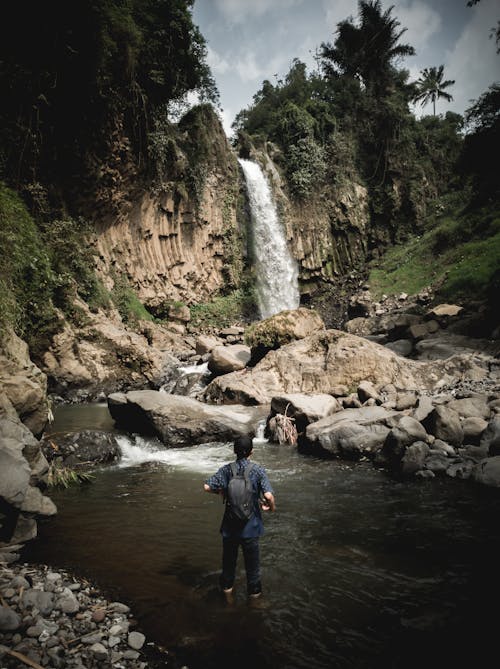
{"points": [[275, 269]]}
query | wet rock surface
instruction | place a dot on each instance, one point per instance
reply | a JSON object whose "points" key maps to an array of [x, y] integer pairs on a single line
{"points": [[49, 618]]}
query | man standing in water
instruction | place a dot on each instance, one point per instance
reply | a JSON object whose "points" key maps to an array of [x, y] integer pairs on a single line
{"points": [[244, 533]]}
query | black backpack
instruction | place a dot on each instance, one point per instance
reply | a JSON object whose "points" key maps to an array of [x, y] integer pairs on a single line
{"points": [[240, 495]]}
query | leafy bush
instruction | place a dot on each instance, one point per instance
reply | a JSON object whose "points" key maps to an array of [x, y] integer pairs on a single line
{"points": [[224, 310], [27, 280], [73, 264], [127, 303], [306, 167], [459, 253]]}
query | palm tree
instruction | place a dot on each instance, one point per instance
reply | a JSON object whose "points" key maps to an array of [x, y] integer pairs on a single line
{"points": [[367, 51], [430, 87]]}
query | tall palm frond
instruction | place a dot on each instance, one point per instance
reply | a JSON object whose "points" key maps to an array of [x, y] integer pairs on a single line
{"points": [[430, 87]]}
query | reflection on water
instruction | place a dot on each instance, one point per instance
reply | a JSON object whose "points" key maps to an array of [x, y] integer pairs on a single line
{"points": [[359, 571]]}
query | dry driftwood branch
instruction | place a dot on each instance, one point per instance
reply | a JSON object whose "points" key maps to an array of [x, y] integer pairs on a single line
{"points": [[23, 658]]}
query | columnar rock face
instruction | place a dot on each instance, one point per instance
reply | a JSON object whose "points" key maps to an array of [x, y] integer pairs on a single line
{"points": [[328, 235], [171, 248]]}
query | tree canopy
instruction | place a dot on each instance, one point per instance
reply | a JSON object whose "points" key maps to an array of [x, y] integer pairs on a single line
{"points": [[67, 68]]}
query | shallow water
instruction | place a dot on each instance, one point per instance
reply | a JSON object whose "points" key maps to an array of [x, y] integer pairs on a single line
{"points": [[359, 570]]}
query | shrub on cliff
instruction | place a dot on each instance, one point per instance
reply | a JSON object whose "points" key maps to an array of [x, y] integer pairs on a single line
{"points": [[27, 280]]}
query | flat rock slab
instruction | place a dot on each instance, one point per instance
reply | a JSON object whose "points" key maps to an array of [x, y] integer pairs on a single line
{"points": [[182, 421]]}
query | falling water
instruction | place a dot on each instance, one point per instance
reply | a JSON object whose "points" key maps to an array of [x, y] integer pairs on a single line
{"points": [[275, 269]]}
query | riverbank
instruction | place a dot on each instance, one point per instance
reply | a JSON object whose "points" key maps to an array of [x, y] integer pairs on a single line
{"points": [[51, 618]]}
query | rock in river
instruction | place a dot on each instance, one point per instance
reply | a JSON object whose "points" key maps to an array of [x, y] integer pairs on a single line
{"points": [[182, 421]]}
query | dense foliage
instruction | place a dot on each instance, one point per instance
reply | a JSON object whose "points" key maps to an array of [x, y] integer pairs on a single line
{"points": [[353, 118], [88, 89], [71, 73]]}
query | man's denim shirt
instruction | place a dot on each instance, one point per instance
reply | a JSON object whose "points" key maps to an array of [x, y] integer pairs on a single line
{"points": [[220, 481]]}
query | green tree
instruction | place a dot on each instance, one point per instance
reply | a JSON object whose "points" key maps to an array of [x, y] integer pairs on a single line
{"points": [[430, 87], [367, 51]]}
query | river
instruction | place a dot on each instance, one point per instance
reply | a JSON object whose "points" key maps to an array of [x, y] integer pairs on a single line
{"points": [[359, 571]]}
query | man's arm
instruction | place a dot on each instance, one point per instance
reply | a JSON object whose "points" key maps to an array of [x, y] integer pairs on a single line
{"points": [[269, 504], [207, 488]]}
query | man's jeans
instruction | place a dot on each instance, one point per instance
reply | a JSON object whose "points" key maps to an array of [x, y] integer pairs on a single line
{"points": [[250, 549]]}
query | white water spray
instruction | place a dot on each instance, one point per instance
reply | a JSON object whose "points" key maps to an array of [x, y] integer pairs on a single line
{"points": [[275, 269]]}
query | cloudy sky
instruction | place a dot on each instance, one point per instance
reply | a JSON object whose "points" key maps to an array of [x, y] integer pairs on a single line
{"points": [[252, 40]]}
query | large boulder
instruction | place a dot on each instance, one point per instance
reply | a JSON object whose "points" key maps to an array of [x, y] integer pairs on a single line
{"points": [[406, 432], [487, 472], [82, 449], [280, 329], [182, 421], [22, 468], [323, 361], [444, 423], [490, 438], [350, 433], [225, 359], [304, 409], [23, 383]]}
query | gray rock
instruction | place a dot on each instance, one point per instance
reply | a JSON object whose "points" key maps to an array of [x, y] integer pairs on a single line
{"points": [[473, 429], [350, 432], [491, 436], [406, 400], [226, 359], [119, 628], [43, 601], [99, 651], [460, 470], [440, 445], [136, 640], [182, 421], [402, 347], [444, 423], [406, 432], [366, 391], [304, 409], [487, 472], [471, 407], [423, 409], [437, 463], [9, 620], [67, 602], [130, 655], [119, 607], [414, 458]]}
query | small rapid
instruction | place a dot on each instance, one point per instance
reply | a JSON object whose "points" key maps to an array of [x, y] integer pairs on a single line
{"points": [[275, 270]]}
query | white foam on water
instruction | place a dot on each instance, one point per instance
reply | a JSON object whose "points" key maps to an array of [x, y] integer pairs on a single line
{"points": [[195, 369], [137, 450]]}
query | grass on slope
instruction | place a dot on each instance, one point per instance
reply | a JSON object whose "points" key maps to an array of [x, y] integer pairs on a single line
{"points": [[458, 255]]}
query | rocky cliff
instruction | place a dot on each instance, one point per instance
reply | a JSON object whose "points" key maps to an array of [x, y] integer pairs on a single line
{"points": [[179, 239]]}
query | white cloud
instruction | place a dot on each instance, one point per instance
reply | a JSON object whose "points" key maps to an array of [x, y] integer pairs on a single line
{"points": [[250, 70], [421, 21], [336, 11], [226, 116], [473, 62], [237, 11], [247, 68], [217, 64]]}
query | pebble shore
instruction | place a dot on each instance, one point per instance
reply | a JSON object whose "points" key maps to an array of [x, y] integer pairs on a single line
{"points": [[49, 618]]}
